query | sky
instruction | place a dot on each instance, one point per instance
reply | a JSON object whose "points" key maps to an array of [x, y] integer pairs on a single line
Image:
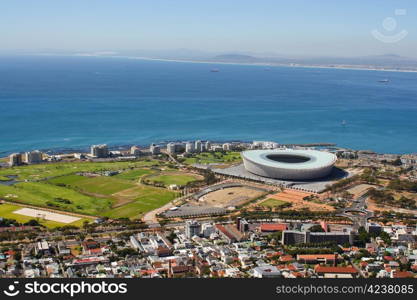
{"points": [[292, 27]]}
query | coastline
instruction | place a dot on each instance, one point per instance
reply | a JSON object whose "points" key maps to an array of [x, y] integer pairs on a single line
{"points": [[259, 64], [125, 147]]}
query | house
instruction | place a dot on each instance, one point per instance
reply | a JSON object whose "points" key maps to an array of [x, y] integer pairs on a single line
{"points": [[91, 247], [272, 227], [182, 270], [266, 271], [162, 251], [336, 272], [328, 259], [401, 274], [42, 248], [63, 249]]}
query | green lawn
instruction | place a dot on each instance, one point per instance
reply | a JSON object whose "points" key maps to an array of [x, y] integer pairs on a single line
{"points": [[56, 197], [174, 178], [61, 189], [134, 174], [41, 171], [214, 157], [271, 202], [67, 180], [4, 178], [6, 211], [144, 199], [102, 185]]}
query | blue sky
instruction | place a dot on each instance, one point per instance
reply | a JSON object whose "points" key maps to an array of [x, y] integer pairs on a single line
{"points": [[296, 27]]}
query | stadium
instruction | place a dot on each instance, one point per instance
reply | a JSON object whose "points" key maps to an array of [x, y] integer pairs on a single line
{"points": [[289, 164]]}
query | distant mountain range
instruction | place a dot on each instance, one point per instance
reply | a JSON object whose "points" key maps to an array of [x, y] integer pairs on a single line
{"points": [[381, 62], [388, 61]]}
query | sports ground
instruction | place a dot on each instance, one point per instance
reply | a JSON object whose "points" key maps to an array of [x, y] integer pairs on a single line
{"points": [[81, 187]]}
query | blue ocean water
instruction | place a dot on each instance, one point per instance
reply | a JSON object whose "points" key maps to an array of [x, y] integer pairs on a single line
{"points": [[70, 102]]}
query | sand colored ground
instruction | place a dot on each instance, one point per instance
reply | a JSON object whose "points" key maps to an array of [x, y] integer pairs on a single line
{"points": [[233, 196], [42, 214], [296, 199], [359, 189], [373, 206]]}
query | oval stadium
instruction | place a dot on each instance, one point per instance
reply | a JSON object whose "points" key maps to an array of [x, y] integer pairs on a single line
{"points": [[289, 164]]}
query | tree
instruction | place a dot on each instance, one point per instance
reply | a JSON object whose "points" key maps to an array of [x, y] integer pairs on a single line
{"points": [[316, 228], [209, 177]]}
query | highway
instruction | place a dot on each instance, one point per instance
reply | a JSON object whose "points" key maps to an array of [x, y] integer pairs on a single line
{"points": [[357, 212]]}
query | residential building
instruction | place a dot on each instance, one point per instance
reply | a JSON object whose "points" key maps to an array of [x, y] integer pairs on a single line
{"points": [[189, 147], [15, 159], [42, 248], [155, 149], [198, 145], [292, 237], [192, 228], [135, 150], [99, 151], [33, 157], [174, 148], [266, 271]]}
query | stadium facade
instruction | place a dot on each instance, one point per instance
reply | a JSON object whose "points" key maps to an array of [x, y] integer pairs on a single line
{"points": [[289, 164]]}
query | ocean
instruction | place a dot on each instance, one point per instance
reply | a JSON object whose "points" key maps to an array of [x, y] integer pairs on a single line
{"points": [[58, 102]]}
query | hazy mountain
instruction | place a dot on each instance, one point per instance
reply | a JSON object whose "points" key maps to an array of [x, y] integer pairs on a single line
{"points": [[385, 61], [235, 58]]}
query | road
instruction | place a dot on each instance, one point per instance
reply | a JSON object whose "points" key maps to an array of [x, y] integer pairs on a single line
{"points": [[357, 212]]}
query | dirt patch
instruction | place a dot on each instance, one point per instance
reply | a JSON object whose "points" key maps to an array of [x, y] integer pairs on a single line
{"points": [[359, 189], [372, 206], [234, 196], [296, 199]]}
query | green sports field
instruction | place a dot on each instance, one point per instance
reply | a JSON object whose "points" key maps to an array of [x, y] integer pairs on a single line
{"points": [[173, 177], [134, 174], [141, 199], [50, 170], [80, 187], [272, 203], [102, 185], [47, 195], [214, 157]]}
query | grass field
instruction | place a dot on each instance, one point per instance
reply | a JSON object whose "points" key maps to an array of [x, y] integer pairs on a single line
{"points": [[6, 211], [57, 186], [134, 174], [4, 178], [67, 180], [101, 185], [272, 203], [214, 157], [173, 177], [41, 171], [56, 197], [143, 199]]}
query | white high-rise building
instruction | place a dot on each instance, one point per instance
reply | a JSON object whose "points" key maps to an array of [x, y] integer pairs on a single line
{"points": [[99, 151], [192, 228], [207, 146], [227, 147], [173, 148], [207, 229], [15, 159], [134, 150], [33, 157], [189, 147], [154, 149], [198, 145]]}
